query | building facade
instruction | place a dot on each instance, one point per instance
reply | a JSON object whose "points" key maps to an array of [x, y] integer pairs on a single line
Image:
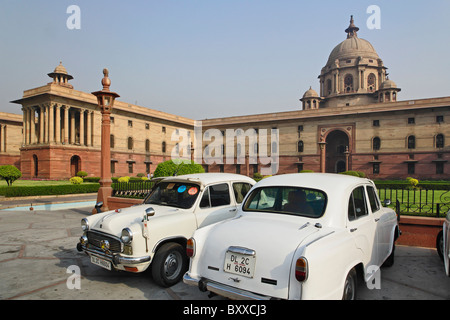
{"points": [[355, 123]]}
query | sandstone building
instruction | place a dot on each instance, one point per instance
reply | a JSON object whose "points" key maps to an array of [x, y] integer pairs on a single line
{"points": [[355, 122]]}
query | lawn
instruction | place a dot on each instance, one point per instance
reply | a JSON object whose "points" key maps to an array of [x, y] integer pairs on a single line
{"points": [[32, 183]]}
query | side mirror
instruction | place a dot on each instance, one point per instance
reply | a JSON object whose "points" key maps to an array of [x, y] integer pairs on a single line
{"points": [[150, 212], [387, 202], [98, 205]]}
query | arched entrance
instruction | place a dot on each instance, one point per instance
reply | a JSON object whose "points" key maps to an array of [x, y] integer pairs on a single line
{"points": [[337, 143], [35, 168], [75, 165]]}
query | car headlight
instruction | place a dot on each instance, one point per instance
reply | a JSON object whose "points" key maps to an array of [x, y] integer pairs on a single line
{"points": [[84, 224], [127, 236]]}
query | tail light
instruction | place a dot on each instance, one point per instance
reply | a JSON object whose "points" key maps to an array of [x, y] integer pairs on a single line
{"points": [[301, 269], [190, 248]]}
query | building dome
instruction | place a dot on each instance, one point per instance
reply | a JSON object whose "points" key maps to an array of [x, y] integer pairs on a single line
{"points": [[388, 84], [311, 93], [60, 69], [353, 48]]}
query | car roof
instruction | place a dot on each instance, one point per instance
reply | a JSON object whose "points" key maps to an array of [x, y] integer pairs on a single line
{"points": [[208, 178], [327, 182]]}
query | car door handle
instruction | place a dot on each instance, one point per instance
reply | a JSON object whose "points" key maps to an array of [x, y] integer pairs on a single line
{"points": [[353, 230], [233, 210], [377, 219]]}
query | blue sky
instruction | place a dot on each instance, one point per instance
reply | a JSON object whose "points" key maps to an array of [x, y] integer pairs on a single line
{"points": [[215, 58]]}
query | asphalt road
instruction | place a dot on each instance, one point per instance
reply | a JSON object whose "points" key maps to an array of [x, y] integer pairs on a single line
{"points": [[38, 256]]}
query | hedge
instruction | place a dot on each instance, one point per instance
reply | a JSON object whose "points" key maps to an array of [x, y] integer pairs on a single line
{"points": [[23, 191]]}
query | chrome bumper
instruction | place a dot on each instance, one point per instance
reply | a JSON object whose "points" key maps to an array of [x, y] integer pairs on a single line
{"points": [[115, 259], [222, 290]]}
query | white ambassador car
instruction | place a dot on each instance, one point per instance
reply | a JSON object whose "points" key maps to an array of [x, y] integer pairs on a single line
{"points": [[156, 231], [443, 244], [296, 236]]}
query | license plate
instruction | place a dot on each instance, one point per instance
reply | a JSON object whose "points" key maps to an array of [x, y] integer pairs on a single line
{"points": [[101, 262], [243, 265]]}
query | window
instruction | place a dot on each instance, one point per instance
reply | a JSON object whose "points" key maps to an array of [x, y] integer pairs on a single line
{"points": [[174, 194], [439, 119], [130, 143], [411, 120], [439, 168], [357, 206], [147, 145], [375, 168], [371, 82], [440, 141], [411, 168], [348, 83], [163, 146], [112, 120], [147, 126], [113, 166], [411, 142], [130, 123], [240, 189], [376, 143], [238, 169], [216, 196], [163, 129], [300, 146], [376, 123], [111, 141], [287, 200], [130, 167], [373, 199]]}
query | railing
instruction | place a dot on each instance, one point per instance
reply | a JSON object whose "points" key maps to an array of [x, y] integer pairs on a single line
{"points": [[419, 201], [132, 189]]}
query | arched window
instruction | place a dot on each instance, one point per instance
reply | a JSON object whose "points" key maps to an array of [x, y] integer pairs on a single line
{"points": [[411, 142], [329, 86], [371, 85], [300, 146], [35, 166], [376, 143], [130, 143], [440, 141], [348, 83], [147, 145]]}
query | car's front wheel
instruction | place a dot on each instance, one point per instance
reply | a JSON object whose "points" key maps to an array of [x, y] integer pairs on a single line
{"points": [[169, 264]]}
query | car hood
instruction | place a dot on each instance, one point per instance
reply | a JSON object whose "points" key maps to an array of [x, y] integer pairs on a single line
{"points": [[274, 238], [113, 222]]}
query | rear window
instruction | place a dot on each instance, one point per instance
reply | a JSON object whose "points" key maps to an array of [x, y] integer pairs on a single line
{"points": [[287, 200]]}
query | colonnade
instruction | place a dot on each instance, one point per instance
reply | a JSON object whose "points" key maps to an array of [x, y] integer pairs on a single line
{"points": [[55, 123]]}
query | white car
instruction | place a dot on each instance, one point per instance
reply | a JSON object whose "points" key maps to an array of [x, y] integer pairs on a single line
{"points": [[443, 244], [156, 231], [296, 236]]}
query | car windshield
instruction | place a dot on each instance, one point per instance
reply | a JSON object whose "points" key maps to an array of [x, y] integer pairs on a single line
{"points": [[174, 194], [287, 200]]}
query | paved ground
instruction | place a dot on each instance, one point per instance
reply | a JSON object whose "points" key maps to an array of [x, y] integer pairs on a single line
{"points": [[38, 247]]}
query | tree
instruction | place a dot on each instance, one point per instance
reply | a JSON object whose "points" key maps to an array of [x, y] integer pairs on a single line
{"points": [[169, 168], [10, 174]]}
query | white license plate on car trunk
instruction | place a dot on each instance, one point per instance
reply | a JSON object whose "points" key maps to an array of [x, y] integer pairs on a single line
{"points": [[101, 262], [240, 264]]}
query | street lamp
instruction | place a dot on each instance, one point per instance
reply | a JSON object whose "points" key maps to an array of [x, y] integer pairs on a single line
{"points": [[105, 101]]}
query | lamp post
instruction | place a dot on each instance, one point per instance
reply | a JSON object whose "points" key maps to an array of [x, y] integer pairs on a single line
{"points": [[105, 100]]}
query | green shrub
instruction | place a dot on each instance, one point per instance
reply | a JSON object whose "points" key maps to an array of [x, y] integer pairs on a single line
{"points": [[10, 174], [22, 191], [306, 171], [82, 174], [168, 168], [354, 173], [76, 180], [125, 179]]}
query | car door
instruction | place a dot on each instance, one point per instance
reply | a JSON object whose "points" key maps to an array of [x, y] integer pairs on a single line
{"points": [[383, 223], [362, 227], [215, 205]]}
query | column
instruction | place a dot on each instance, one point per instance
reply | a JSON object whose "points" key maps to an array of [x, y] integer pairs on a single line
{"points": [[322, 145], [2, 137], [66, 124], [32, 126], [89, 128], [51, 123], [24, 126], [41, 124], [58, 123], [47, 108], [72, 127], [82, 140]]}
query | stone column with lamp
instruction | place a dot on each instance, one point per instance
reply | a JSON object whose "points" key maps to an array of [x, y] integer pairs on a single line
{"points": [[105, 100]]}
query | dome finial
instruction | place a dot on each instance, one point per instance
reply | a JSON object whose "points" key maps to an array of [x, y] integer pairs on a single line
{"points": [[352, 29]]}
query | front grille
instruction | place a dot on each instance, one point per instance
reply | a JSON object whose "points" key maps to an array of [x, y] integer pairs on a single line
{"points": [[94, 238]]}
